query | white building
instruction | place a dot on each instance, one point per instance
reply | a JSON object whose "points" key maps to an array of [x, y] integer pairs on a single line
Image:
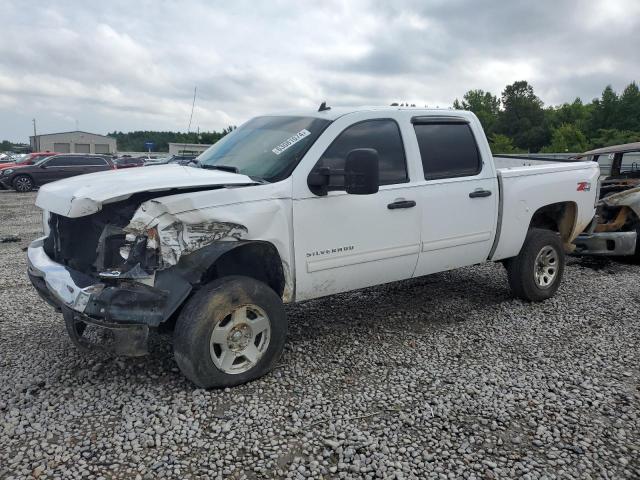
{"points": [[187, 148], [73, 142]]}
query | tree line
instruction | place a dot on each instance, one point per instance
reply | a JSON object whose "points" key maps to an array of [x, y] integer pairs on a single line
{"points": [[518, 121], [135, 141]]}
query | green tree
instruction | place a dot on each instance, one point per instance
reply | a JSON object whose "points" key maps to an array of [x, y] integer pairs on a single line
{"points": [[567, 138], [502, 144], [6, 146], [576, 113], [134, 141], [605, 111], [611, 136], [522, 117], [628, 112], [485, 105]]}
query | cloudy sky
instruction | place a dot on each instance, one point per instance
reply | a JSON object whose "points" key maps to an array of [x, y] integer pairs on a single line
{"points": [[132, 65]]}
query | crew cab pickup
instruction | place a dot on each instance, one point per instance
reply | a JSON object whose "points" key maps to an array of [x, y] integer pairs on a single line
{"points": [[291, 207]]}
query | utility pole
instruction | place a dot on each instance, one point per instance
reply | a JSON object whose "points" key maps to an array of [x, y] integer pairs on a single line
{"points": [[35, 137]]}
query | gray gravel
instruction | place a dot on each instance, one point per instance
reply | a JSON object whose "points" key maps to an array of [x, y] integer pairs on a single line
{"points": [[440, 377]]}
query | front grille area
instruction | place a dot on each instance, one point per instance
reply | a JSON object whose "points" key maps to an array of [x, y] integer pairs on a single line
{"points": [[73, 241], [92, 243]]}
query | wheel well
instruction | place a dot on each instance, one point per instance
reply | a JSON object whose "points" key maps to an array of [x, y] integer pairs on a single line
{"points": [[558, 217], [22, 175], [258, 260]]}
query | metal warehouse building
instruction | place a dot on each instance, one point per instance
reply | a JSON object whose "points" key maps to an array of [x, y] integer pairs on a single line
{"points": [[73, 142]]}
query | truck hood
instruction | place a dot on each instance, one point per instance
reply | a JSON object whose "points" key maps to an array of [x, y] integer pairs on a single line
{"points": [[85, 194]]}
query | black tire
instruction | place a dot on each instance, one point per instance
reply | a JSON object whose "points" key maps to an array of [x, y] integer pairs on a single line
{"points": [[521, 270], [208, 308], [23, 183], [636, 256]]}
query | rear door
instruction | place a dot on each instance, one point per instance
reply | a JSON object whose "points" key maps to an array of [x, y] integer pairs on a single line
{"points": [[459, 198], [92, 164], [345, 242]]}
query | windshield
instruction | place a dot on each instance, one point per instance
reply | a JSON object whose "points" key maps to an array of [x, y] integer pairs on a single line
{"points": [[42, 159], [268, 148]]}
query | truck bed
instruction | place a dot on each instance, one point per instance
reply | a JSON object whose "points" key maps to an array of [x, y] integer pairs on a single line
{"points": [[528, 184], [513, 161], [523, 166]]}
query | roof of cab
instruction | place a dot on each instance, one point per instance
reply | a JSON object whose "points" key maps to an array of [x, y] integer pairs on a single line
{"points": [[334, 113]]}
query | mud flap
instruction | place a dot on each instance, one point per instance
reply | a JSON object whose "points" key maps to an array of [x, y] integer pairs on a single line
{"points": [[87, 333]]}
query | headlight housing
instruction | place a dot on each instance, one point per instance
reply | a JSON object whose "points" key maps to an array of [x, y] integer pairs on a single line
{"points": [[8, 171], [128, 256]]}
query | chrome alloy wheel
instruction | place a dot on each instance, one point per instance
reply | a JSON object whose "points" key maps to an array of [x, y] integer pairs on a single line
{"points": [[240, 339], [23, 184], [546, 267]]}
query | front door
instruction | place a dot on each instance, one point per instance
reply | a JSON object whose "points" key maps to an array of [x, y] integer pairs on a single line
{"points": [[345, 242], [54, 169]]}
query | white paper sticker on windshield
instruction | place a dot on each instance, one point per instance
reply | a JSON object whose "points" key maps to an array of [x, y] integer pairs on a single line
{"points": [[289, 142]]}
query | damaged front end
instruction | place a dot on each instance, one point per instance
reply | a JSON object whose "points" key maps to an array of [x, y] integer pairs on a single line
{"points": [[122, 270], [615, 228]]}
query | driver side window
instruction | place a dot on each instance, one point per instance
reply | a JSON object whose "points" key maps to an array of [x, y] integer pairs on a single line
{"points": [[382, 135]]}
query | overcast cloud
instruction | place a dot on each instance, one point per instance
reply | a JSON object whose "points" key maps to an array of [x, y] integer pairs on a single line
{"points": [[132, 65]]}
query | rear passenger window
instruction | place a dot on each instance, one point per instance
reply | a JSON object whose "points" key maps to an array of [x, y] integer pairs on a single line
{"points": [[382, 135], [93, 161], [447, 150], [60, 161]]}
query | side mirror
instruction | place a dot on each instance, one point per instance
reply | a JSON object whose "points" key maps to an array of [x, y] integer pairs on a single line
{"points": [[362, 171], [361, 174]]}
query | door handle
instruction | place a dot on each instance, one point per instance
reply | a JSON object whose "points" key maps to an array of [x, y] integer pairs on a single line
{"points": [[401, 204], [480, 193]]}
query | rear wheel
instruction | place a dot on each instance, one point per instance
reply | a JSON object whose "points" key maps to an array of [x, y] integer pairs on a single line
{"points": [[535, 274], [232, 331], [23, 183]]}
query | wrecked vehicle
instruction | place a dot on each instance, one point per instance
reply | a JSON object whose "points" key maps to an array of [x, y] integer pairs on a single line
{"points": [[293, 207], [616, 226]]}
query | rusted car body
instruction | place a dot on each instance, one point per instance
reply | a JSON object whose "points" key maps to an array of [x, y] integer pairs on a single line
{"points": [[616, 226]]}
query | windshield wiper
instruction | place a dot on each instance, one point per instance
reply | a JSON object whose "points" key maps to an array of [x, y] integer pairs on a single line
{"points": [[224, 168], [229, 168]]}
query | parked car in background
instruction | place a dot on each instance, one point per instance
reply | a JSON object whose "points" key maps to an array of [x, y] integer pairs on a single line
{"points": [[129, 162], [30, 159], [183, 160], [18, 157], [157, 161], [616, 227], [52, 168]]}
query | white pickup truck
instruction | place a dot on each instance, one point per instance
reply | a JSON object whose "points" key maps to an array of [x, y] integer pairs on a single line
{"points": [[291, 207]]}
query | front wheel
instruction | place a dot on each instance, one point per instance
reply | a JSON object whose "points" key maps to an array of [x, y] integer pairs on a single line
{"points": [[23, 183], [535, 274], [231, 332]]}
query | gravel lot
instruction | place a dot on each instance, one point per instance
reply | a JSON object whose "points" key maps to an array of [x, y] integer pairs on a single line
{"points": [[440, 377]]}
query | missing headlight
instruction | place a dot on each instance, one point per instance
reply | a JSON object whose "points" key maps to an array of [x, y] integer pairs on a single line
{"points": [[120, 252]]}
